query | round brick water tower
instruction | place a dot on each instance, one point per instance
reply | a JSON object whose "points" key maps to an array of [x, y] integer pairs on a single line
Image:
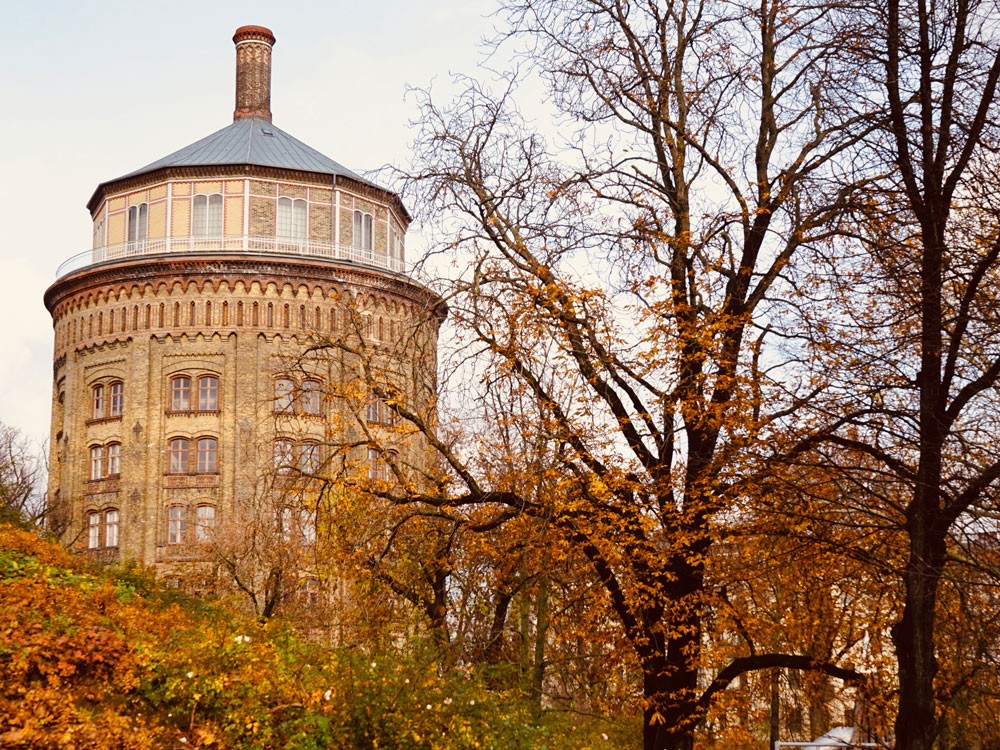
{"points": [[172, 332]]}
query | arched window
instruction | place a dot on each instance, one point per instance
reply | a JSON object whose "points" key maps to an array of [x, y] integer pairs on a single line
{"points": [[114, 459], [396, 250], [180, 393], [175, 524], [97, 412], [391, 465], [137, 223], [286, 522], [111, 527], [207, 455], [363, 231], [93, 530], [283, 455], [208, 393], [102, 528], [310, 396], [309, 458], [205, 523], [310, 591], [307, 526], [117, 400], [97, 462], [178, 452], [284, 394], [206, 216], [376, 466], [373, 411], [99, 233], [292, 219]]}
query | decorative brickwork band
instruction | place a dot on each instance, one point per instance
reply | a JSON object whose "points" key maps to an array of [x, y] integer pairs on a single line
{"points": [[253, 72]]}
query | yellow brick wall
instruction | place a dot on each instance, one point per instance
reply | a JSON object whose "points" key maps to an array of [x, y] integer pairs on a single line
{"points": [[259, 187], [157, 221], [262, 217], [116, 228], [291, 191], [180, 219], [319, 222], [246, 359], [346, 226], [233, 223], [207, 188]]}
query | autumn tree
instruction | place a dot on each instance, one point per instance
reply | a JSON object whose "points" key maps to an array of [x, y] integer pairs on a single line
{"points": [[22, 476], [914, 358], [485, 583], [647, 259]]}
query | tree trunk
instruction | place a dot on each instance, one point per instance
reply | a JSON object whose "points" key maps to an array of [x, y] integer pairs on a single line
{"points": [[913, 637], [541, 629], [774, 724]]}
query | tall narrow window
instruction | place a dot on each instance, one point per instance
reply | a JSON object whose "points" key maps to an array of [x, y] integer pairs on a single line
{"points": [[310, 397], [208, 393], [376, 466], [97, 412], [117, 401], [207, 453], [291, 219], [175, 524], [396, 250], [363, 231], [286, 522], [309, 458], [284, 394], [282, 456], [206, 216], [307, 526], [180, 394], [93, 530], [97, 462], [206, 523], [114, 459], [99, 234], [374, 408], [111, 528], [310, 591], [137, 223], [178, 454]]}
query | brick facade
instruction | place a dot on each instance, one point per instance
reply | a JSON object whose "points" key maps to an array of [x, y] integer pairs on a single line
{"points": [[143, 323]]}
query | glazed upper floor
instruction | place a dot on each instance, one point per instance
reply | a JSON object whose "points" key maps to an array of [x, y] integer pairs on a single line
{"points": [[252, 210]]}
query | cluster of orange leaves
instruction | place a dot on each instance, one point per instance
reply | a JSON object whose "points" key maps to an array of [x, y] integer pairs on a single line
{"points": [[110, 659], [61, 656], [86, 662]]}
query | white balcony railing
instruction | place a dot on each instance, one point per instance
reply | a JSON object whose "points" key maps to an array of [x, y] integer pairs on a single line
{"points": [[231, 244]]}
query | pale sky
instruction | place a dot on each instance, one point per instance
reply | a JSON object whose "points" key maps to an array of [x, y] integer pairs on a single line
{"points": [[94, 90]]}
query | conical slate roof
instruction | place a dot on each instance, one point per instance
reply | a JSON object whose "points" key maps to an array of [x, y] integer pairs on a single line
{"points": [[250, 140]]}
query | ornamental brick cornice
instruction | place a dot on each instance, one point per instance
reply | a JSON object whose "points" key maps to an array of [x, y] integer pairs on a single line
{"points": [[214, 269]]}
